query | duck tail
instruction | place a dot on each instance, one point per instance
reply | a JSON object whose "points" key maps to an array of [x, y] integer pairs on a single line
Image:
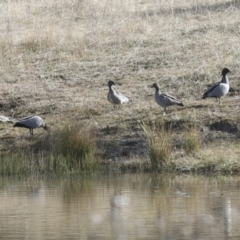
{"points": [[181, 104], [17, 124]]}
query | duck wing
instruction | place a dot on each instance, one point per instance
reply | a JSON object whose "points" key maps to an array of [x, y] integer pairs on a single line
{"points": [[171, 99], [210, 89], [29, 122]]}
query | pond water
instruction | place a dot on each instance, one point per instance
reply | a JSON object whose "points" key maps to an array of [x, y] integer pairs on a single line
{"points": [[129, 206]]}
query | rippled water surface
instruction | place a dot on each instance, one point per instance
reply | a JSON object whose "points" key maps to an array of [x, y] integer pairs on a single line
{"points": [[121, 207]]}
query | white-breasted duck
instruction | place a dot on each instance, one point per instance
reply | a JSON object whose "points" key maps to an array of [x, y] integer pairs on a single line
{"points": [[219, 89], [114, 97]]}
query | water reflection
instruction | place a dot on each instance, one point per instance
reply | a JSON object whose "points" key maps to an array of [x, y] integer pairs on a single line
{"points": [[228, 217], [121, 207]]}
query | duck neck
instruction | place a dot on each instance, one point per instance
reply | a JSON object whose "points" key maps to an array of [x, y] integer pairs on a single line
{"points": [[111, 89], [225, 79], [157, 90]]}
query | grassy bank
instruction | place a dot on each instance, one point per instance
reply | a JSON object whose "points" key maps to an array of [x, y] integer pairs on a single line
{"points": [[57, 56]]}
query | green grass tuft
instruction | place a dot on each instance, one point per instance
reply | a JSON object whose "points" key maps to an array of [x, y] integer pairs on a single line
{"points": [[77, 143], [159, 147]]}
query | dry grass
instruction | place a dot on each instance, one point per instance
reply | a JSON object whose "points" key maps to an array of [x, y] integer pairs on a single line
{"points": [[191, 141], [57, 56], [215, 159], [77, 143], [159, 145]]}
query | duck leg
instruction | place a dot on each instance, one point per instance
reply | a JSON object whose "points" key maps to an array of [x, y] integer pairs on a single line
{"points": [[165, 110], [31, 131]]}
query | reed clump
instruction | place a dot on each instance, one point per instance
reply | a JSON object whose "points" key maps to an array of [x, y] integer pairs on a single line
{"points": [[191, 141], [68, 149], [159, 141], [77, 144], [15, 164]]}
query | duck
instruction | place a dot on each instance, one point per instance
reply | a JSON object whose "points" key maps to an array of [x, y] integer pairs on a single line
{"points": [[31, 123], [165, 100], [220, 88], [114, 97]]}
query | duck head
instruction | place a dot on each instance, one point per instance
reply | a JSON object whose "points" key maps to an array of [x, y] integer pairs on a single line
{"points": [[110, 83], [155, 85], [225, 71]]}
